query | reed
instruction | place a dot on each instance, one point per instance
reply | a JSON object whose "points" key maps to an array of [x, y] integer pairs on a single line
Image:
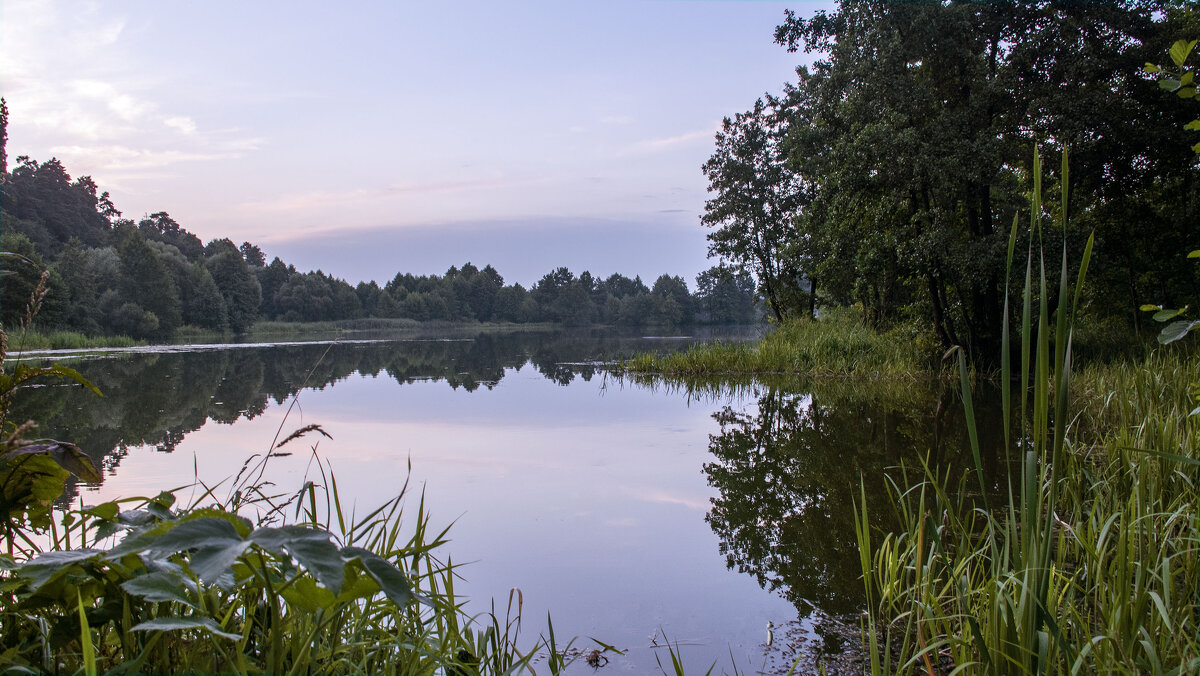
{"points": [[838, 344], [1089, 564]]}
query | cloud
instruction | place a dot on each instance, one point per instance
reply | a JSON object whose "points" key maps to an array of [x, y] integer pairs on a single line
{"points": [[184, 124], [75, 90], [124, 157], [656, 145]]}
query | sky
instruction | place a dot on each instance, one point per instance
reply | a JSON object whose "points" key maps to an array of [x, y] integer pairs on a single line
{"points": [[370, 138]]}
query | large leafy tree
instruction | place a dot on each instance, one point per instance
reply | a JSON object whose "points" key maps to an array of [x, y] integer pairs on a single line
{"points": [[914, 127], [756, 199]]}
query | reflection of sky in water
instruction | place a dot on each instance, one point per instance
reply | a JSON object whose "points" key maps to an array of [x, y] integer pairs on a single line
{"points": [[590, 498]]}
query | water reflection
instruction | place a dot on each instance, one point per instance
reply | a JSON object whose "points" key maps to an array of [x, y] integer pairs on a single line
{"points": [[158, 398], [787, 472]]}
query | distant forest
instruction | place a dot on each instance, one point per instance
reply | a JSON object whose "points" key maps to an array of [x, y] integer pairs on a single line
{"points": [[98, 273]]}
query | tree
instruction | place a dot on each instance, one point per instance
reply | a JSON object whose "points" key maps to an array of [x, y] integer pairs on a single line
{"points": [[3, 139], [912, 135], [146, 283], [203, 304], [237, 284], [253, 255], [725, 295], [757, 199]]}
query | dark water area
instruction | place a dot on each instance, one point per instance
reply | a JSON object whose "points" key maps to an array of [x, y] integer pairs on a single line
{"points": [[636, 510]]}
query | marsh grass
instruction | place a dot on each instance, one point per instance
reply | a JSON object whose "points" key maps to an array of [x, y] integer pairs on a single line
{"points": [[838, 344], [1090, 565], [302, 586], [32, 339]]}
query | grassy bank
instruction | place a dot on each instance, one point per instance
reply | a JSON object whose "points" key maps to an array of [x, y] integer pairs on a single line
{"points": [[33, 339], [1091, 567], [839, 344]]}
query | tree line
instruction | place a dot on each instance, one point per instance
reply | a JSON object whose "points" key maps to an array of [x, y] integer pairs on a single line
{"points": [[91, 270], [890, 173]]}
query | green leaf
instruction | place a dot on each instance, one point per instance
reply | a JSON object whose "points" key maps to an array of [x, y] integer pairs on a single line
{"points": [[1164, 315], [1180, 51], [215, 564], [160, 586], [205, 532], [1150, 308], [179, 623], [48, 565], [1186, 92], [390, 579], [306, 595], [106, 510], [1151, 69], [312, 548], [1168, 83], [1194, 125], [1187, 78], [1194, 253], [68, 456], [1175, 330]]}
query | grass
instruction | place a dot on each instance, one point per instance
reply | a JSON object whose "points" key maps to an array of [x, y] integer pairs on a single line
{"points": [[839, 344], [204, 586], [1090, 563], [32, 339]]}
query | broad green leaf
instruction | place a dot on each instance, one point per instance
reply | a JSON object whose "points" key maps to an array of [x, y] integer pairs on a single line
{"points": [[48, 565], [323, 559], [1151, 69], [1150, 308], [214, 565], [160, 586], [1194, 253], [107, 511], [312, 548], [1186, 92], [205, 532], [1164, 315], [1187, 78], [241, 524], [68, 456], [1180, 51], [179, 623], [1175, 330], [1169, 83], [390, 579], [308, 596]]}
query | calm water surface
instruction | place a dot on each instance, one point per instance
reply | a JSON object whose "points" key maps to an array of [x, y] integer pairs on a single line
{"points": [[632, 510]]}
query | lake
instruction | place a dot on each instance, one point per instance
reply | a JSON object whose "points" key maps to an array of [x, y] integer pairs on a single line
{"points": [[635, 510]]}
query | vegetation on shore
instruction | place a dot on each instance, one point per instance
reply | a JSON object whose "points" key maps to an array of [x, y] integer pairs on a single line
{"points": [[839, 344]]}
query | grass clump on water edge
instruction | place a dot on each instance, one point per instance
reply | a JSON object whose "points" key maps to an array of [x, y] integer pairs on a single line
{"points": [[1090, 563], [838, 344], [32, 339]]}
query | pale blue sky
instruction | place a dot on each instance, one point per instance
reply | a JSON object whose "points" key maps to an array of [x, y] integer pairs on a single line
{"points": [[370, 138]]}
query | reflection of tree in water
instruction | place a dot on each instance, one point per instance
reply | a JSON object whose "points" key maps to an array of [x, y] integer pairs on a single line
{"points": [[157, 399], [788, 476]]}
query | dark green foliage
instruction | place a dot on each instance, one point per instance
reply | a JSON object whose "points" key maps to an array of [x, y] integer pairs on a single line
{"points": [[725, 296], [890, 170], [237, 285], [203, 304], [160, 227], [164, 278], [146, 285]]}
